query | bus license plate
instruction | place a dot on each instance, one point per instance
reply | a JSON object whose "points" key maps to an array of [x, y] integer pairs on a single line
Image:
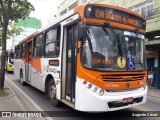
{"points": [[127, 100]]}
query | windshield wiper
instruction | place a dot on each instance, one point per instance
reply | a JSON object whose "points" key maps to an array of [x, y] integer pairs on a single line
{"points": [[89, 40], [116, 37]]}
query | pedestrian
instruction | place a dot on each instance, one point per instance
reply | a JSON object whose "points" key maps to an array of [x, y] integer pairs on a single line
{"points": [[150, 76]]}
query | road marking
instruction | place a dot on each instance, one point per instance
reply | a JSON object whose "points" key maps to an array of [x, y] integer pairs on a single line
{"points": [[142, 108], [33, 103]]}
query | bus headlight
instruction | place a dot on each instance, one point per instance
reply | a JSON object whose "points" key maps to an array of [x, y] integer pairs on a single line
{"points": [[89, 86], [101, 92], [93, 88]]}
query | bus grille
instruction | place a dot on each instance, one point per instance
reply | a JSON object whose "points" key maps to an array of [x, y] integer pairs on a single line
{"points": [[122, 77]]}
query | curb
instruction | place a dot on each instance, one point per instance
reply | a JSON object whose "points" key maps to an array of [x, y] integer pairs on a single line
{"points": [[13, 94], [154, 96], [12, 85]]}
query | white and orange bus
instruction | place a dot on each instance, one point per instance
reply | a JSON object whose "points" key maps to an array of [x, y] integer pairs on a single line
{"points": [[91, 59]]}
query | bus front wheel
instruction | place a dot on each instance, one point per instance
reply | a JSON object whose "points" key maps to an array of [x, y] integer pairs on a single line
{"points": [[52, 92]]}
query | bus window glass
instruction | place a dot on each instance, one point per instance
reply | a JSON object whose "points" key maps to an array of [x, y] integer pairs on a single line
{"points": [[19, 50], [103, 51], [51, 46], [16, 52], [51, 36], [38, 49], [23, 50]]}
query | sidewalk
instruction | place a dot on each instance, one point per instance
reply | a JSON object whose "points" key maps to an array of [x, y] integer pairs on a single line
{"points": [[10, 102], [154, 92], [16, 102]]}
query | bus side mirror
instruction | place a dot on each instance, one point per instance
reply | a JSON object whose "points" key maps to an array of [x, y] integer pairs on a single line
{"points": [[81, 32]]}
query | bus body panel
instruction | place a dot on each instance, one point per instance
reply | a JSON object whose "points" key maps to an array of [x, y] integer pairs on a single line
{"points": [[90, 101], [18, 66], [54, 71]]}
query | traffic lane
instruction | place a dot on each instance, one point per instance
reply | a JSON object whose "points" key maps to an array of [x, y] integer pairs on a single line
{"points": [[38, 97], [152, 103]]}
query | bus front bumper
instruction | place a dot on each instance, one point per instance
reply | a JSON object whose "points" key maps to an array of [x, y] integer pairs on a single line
{"points": [[110, 101]]}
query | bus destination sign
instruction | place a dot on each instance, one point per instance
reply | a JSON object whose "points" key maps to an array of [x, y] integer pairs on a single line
{"points": [[115, 15]]}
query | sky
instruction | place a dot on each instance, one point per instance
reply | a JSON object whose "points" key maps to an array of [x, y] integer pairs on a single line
{"points": [[44, 9]]}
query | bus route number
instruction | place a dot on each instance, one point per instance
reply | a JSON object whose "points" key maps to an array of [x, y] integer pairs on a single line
{"points": [[100, 14]]}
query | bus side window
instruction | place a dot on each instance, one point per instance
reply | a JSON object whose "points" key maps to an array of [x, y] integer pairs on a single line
{"points": [[38, 48], [23, 50], [51, 45]]}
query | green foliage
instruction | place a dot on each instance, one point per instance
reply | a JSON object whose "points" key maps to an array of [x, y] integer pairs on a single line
{"points": [[16, 9], [14, 30], [2, 93], [21, 9]]}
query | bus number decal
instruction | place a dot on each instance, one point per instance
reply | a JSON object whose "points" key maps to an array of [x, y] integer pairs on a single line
{"points": [[54, 62], [100, 14]]}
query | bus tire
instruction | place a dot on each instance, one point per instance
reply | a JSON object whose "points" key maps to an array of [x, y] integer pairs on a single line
{"points": [[22, 78], [52, 92]]}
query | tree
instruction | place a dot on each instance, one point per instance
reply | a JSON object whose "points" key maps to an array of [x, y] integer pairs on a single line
{"points": [[10, 10], [13, 31]]}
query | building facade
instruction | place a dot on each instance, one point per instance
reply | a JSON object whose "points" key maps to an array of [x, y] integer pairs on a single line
{"points": [[150, 9]]}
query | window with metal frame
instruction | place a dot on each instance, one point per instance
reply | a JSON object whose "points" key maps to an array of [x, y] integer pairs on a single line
{"points": [[52, 43], [16, 52], [38, 47], [23, 50], [19, 51]]}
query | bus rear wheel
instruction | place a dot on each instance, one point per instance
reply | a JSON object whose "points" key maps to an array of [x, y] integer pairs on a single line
{"points": [[22, 78], [52, 92]]}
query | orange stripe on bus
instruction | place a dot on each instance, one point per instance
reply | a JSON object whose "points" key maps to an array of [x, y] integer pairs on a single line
{"points": [[93, 77], [36, 64], [23, 59], [29, 37]]}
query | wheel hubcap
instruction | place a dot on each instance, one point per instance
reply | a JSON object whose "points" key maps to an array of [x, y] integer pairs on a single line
{"points": [[52, 91]]}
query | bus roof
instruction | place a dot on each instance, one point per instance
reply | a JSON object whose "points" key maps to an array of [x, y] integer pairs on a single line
{"points": [[28, 37], [83, 6]]}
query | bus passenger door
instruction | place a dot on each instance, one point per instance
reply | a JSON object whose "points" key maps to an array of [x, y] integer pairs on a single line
{"points": [[69, 63], [29, 60]]}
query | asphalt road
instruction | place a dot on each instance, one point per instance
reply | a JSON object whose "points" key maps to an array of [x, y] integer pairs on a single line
{"points": [[152, 104]]}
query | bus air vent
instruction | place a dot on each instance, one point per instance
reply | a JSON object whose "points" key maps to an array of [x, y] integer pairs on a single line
{"points": [[122, 77]]}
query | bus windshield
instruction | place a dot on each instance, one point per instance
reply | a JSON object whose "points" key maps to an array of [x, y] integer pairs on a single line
{"points": [[103, 50]]}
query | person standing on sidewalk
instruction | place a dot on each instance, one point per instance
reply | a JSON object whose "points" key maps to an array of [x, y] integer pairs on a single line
{"points": [[150, 76]]}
